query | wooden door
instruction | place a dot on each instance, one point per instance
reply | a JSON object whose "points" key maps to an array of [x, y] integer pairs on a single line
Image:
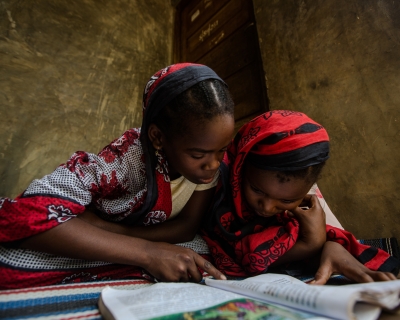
{"points": [[222, 34]]}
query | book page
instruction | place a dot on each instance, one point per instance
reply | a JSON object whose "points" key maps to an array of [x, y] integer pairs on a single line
{"points": [[175, 299], [385, 293], [162, 299], [334, 301]]}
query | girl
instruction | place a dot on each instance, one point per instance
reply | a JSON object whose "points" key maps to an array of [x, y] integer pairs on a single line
{"points": [[273, 161], [164, 171]]}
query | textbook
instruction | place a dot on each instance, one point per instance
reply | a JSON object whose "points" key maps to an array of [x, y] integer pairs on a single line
{"points": [[267, 296]]}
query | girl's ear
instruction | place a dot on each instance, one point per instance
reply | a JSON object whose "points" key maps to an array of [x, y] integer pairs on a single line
{"points": [[155, 136]]}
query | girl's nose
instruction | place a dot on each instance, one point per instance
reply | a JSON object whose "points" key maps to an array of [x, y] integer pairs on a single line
{"points": [[213, 163], [268, 206]]}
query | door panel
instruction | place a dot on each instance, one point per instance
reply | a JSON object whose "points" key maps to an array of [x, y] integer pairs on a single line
{"points": [[222, 34], [197, 13], [229, 57]]}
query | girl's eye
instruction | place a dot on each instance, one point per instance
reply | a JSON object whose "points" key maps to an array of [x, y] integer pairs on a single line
{"points": [[254, 189], [287, 201], [197, 156]]}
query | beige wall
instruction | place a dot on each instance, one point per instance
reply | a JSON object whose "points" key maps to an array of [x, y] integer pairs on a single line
{"points": [[339, 62], [72, 75]]}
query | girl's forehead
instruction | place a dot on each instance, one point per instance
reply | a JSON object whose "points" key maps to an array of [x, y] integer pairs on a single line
{"points": [[275, 183], [219, 129]]}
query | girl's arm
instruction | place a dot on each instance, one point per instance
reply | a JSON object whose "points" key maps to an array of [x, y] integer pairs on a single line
{"points": [[336, 259], [312, 235], [182, 228], [78, 239]]}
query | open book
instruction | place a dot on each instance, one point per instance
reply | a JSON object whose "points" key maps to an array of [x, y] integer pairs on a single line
{"points": [[268, 296]]}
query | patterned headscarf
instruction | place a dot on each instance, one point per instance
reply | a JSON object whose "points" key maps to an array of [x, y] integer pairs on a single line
{"points": [[277, 140], [243, 243], [303, 143]]}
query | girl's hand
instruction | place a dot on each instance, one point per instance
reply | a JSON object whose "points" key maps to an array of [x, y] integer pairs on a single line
{"points": [[174, 263], [336, 259], [312, 236], [312, 223]]}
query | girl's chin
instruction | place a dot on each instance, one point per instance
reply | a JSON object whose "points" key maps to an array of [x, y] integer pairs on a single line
{"points": [[267, 215]]}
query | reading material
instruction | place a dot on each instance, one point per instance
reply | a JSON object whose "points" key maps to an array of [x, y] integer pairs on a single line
{"points": [[268, 296]]}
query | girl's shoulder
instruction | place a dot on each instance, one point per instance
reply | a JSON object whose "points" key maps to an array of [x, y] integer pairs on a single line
{"points": [[129, 141]]}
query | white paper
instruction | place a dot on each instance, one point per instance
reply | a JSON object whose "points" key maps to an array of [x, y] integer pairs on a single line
{"points": [[162, 299], [339, 302]]}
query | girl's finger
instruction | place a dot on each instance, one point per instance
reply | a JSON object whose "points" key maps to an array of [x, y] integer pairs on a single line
{"points": [[306, 201], [314, 202], [357, 272], [382, 276], [194, 274], [209, 268], [323, 274]]}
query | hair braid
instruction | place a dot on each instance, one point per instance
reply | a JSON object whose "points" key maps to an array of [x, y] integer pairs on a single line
{"points": [[203, 101]]}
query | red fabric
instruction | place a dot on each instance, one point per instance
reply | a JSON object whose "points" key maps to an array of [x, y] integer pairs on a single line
{"points": [[13, 279], [241, 242], [31, 214], [25, 217], [158, 77]]}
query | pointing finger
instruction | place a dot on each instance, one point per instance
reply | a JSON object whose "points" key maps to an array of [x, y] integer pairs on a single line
{"points": [[209, 268]]}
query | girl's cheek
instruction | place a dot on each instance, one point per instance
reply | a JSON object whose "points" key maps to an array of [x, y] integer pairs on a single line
{"points": [[291, 206]]}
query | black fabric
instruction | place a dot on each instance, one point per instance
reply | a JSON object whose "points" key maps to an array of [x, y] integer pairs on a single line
{"points": [[292, 160]]}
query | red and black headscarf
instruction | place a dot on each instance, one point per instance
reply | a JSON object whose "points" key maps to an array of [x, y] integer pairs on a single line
{"points": [[243, 243], [161, 89]]}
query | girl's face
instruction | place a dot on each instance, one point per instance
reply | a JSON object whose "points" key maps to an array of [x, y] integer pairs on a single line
{"points": [[197, 154], [268, 196]]}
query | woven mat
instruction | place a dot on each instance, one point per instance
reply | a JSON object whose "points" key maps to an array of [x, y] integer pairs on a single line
{"points": [[70, 301]]}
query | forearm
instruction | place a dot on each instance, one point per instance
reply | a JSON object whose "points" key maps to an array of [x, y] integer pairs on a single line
{"points": [[78, 239], [172, 231], [299, 251], [180, 229]]}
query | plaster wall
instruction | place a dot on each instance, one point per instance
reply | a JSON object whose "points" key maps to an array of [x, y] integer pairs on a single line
{"points": [[339, 62], [72, 75]]}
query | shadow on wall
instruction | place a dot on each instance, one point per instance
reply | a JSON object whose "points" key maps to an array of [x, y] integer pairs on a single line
{"points": [[72, 78]]}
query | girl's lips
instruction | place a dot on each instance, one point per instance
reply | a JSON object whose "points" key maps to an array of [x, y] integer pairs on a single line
{"points": [[206, 181], [264, 215]]}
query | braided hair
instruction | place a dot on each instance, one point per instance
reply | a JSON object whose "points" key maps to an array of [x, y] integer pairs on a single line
{"points": [[201, 102]]}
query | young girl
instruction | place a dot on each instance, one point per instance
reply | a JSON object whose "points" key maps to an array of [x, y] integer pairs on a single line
{"points": [[165, 171], [273, 162]]}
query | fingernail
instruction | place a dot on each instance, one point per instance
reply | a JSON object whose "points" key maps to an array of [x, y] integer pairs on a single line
{"points": [[223, 277], [312, 282]]}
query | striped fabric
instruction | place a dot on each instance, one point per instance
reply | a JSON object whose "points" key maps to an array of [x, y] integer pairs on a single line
{"points": [[71, 301]]}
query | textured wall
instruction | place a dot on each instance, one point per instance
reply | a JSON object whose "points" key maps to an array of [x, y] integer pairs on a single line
{"points": [[72, 75], [339, 62]]}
